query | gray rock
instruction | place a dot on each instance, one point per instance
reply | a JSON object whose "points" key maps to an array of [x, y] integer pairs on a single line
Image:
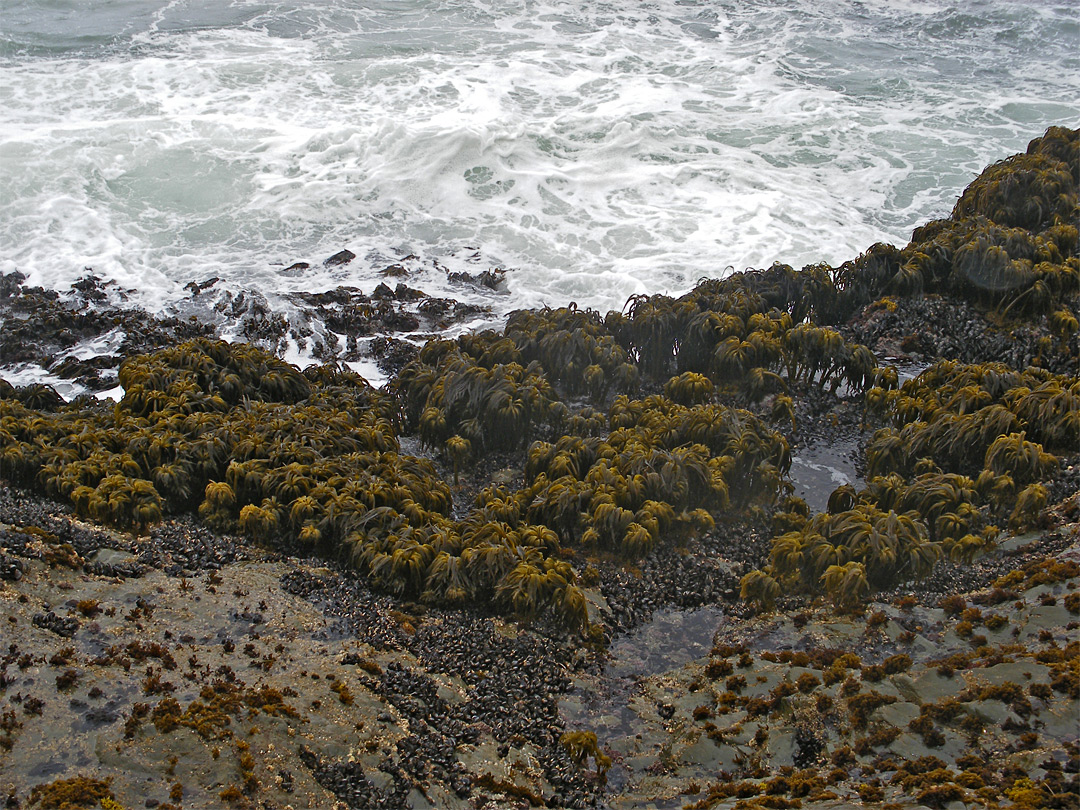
{"points": [[1060, 722], [910, 746], [706, 754], [380, 779], [906, 687], [897, 715], [1048, 617], [756, 688], [993, 712], [782, 747], [1017, 541], [1019, 672], [596, 604], [932, 687]]}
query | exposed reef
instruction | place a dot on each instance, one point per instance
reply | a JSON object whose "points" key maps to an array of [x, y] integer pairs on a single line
{"points": [[305, 589]]}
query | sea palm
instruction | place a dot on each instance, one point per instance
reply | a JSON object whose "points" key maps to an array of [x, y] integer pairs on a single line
{"points": [[759, 588], [846, 584]]}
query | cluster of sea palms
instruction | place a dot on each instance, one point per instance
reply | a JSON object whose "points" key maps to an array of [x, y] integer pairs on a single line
{"points": [[1010, 244], [640, 412], [192, 414], [965, 454], [577, 351], [987, 421], [474, 394], [743, 336], [306, 461], [983, 401], [890, 532], [623, 479], [491, 391], [659, 472], [619, 481]]}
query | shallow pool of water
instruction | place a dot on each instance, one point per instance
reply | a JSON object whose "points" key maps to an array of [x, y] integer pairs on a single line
{"points": [[818, 469], [667, 642]]}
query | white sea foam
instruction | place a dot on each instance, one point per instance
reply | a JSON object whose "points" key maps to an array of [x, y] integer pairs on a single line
{"points": [[594, 151], [19, 374]]}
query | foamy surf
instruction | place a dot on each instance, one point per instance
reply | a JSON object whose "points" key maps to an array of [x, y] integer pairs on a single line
{"points": [[592, 152]]}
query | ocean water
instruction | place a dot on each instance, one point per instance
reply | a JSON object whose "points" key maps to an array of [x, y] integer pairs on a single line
{"points": [[592, 150]]}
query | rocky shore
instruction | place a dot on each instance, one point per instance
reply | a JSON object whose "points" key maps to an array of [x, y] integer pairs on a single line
{"points": [[583, 561]]}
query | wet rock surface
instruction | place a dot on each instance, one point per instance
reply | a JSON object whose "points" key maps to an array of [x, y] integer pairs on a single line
{"points": [[227, 666], [83, 334], [224, 665], [836, 707], [929, 327]]}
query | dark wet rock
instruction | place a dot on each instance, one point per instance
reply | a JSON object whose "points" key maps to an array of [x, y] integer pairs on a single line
{"points": [[198, 287], [340, 258], [931, 327], [87, 372], [345, 310], [338, 296], [143, 333], [91, 288], [36, 325], [10, 283], [494, 279], [399, 320], [40, 326], [404, 292], [266, 329], [392, 354], [443, 312]]}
